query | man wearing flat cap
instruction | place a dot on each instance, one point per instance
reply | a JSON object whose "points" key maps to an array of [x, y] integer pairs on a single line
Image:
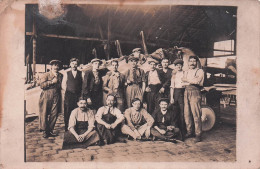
{"points": [[165, 125], [194, 77], [92, 86], [166, 78], [135, 81], [49, 103], [72, 83], [177, 93], [153, 79]]}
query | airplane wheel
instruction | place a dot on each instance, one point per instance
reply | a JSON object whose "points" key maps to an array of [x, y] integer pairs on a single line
{"points": [[208, 118]]}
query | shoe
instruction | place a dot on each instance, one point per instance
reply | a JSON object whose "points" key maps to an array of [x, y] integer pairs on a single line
{"points": [[188, 135], [197, 139], [44, 134], [51, 134]]}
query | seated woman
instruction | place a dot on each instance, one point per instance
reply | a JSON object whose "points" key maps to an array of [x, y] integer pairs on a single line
{"points": [[165, 123], [138, 121], [108, 121], [81, 132]]}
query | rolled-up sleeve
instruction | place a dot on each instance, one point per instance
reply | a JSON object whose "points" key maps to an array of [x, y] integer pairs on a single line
{"points": [[149, 119], [99, 114], [119, 116], [198, 79], [91, 119], [44, 82], [73, 119], [128, 119]]}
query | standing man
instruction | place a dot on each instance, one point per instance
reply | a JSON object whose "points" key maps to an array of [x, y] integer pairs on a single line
{"points": [[177, 93], [154, 84], [135, 81], [72, 81], [194, 78], [92, 85], [166, 73], [114, 84], [49, 103]]}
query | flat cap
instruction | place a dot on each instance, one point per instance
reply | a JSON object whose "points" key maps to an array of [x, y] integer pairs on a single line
{"points": [[132, 57], [52, 62], [74, 59], [136, 50], [149, 60], [163, 100], [178, 61], [96, 60]]}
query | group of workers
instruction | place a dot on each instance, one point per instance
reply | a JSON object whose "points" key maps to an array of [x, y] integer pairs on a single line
{"points": [[101, 106]]}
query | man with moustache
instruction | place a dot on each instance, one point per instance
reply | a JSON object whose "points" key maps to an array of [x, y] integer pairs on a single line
{"points": [[166, 73], [49, 102], [194, 77], [154, 84], [92, 84], [72, 82], [135, 81], [165, 122], [109, 119]]}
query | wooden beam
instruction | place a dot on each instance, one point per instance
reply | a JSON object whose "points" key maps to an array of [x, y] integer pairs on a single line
{"points": [[34, 47]]}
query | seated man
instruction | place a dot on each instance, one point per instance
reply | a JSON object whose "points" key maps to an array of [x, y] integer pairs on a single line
{"points": [[108, 119], [81, 132], [165, 122], [138, 121]]}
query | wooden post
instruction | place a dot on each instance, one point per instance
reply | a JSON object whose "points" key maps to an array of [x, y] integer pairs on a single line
{"points": [[34, 48], [108, 35]]}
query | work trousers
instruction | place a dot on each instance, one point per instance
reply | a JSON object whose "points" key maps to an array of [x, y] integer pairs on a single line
{"points": [[152, 98], [70, 103], [49, 105], [192, 107], [127, 130], [179, 106], [133, 91]]}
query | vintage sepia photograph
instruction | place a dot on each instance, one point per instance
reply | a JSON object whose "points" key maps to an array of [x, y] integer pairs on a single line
{"points": [[130, 83]]}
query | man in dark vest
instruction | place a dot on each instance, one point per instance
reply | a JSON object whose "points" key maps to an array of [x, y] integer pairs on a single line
{"points": [[73, 82]]}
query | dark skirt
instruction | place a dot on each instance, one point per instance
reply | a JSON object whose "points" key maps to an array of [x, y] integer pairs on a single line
{"points": [[71, 142], [108, 135]]}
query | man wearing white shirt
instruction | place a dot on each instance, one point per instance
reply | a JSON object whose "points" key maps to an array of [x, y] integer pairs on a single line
{"points": [[72, 81], [177, 93], [109, 119], [192, 97]]}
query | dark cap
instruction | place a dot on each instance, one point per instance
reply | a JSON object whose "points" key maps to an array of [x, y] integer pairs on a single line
{"points": [[74, 59], [194, 57], [136, 50], [178, 61], [164, 100], [131, 57], [149, 60]]}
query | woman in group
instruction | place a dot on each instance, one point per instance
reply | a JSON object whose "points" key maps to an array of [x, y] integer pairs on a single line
{"points": [[81, 133], [138, 121]]}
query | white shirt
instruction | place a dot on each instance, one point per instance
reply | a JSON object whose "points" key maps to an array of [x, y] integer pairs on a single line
{"points": [[153, 78], [176, 81], [163, 112], [74, 73], [78, 115], [195, 76]]}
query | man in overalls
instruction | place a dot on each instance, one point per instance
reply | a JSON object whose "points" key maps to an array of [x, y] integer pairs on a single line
{"points": [[49, 103], [194, 77]]}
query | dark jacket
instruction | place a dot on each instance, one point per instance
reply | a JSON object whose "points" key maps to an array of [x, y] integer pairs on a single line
{"points": [[160, 75], [170, 118]]}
